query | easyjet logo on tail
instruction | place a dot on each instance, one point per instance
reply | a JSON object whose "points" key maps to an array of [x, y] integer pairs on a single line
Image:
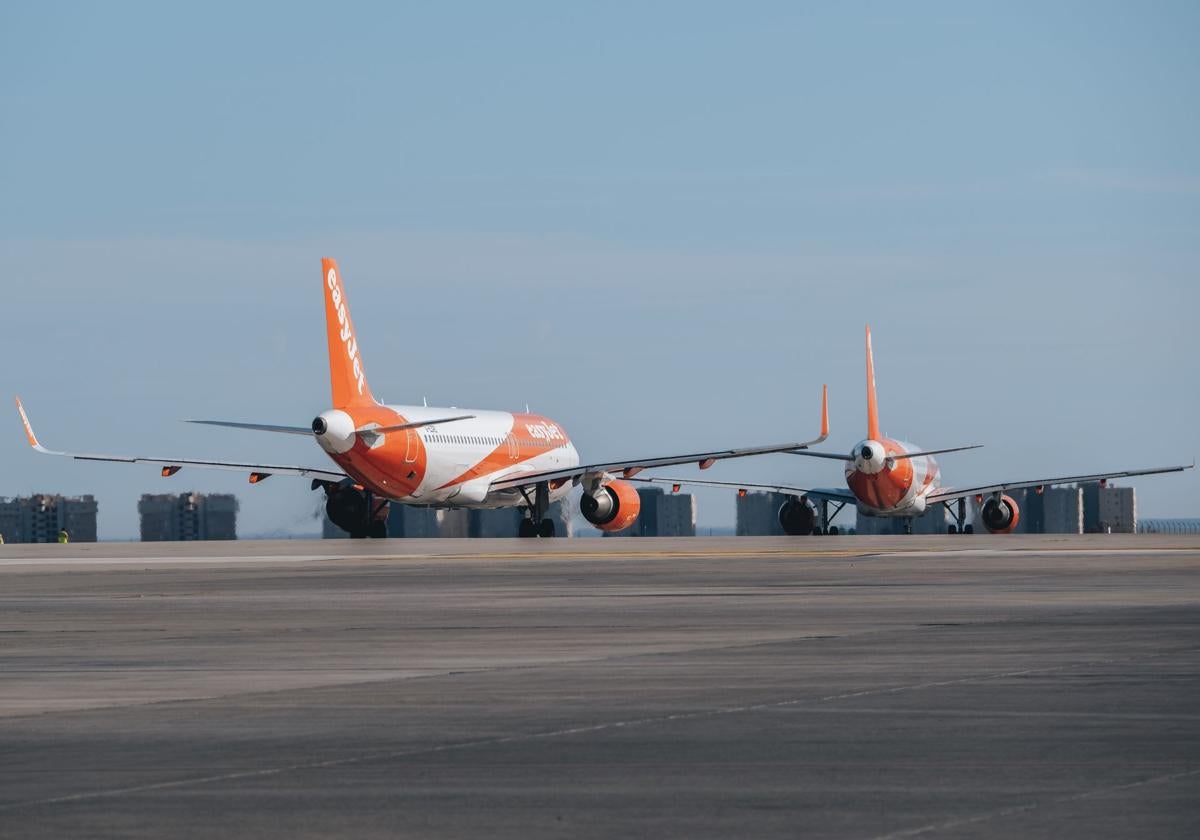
{"points": [[346, 334]]}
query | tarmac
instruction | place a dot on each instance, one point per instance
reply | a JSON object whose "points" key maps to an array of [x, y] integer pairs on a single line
{"points": [[859, 687]]}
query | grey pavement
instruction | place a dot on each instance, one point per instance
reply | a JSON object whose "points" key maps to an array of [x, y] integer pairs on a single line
{"points": [[818, 687]]}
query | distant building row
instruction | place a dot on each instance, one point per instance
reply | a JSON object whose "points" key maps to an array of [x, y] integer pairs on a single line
{"points": [[41, 518], [1085, 509], [188, 516]]}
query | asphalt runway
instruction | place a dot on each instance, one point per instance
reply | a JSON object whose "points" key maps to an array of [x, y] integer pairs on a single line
{"points": [[861, 687]]}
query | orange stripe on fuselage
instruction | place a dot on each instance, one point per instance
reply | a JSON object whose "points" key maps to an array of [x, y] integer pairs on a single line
{"points": [[524, 446], [396, 466], [885, 489]]}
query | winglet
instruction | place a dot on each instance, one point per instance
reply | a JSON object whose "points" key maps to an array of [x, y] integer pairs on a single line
{"points": [[872, 406], [824, 411], [29, 435]]}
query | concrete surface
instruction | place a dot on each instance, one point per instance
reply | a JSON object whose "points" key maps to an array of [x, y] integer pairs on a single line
{"points": [[824, 687]]}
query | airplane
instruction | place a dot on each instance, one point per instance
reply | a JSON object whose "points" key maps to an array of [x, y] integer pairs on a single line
{"points": [[892, 478], [438, 457]]}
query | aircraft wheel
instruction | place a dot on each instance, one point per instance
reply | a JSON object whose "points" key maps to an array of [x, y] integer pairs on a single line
{"points": [[377, 529], [833, 531], [546, 528], [968, 529], [952, 529], [526, 529]]}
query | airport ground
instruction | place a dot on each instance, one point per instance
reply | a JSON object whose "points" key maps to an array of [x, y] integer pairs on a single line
{"points": [[824, 687]]}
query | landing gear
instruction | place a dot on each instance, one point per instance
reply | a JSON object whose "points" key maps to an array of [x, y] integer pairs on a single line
{"points": [[959, 512], [354, 509], [824, 517], [536, 524], [908, 525]]}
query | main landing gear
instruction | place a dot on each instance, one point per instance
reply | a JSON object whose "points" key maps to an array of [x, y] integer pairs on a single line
{"points": [[354, 509], [536, 523], [371, 526], [959, 512], [824, 517]]}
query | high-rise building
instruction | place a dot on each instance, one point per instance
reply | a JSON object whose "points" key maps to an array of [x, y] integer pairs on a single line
{"points": [[169, 517], [500, 522], [1063, 510], [662, 515], [1108, 509], [40, 518], [758, 514], [412, 522], [676, 515], [1117, 510]]}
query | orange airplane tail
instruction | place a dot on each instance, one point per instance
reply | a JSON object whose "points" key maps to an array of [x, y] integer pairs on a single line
{"points": [[872, 406], [347, 378]]}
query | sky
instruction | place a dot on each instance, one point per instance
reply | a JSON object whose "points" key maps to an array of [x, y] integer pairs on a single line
{"points": [[662, 224]]}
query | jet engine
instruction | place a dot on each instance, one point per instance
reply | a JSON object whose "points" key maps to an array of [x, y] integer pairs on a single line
{"points": [[797, 517], [613, 507], [1000, 516], [346, 505]]}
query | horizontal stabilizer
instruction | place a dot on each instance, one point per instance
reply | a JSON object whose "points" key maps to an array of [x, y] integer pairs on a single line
{"points": [[836, 456], [257, 427], [934, 452], [399, 427]]}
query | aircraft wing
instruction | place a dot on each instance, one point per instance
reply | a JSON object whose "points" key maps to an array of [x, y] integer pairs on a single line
{"points": [[949, 494], [258, 472], [833, 493], [630, 468]]}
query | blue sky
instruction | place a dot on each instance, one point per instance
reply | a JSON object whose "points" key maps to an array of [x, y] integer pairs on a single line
{"points": [[662, 224]]}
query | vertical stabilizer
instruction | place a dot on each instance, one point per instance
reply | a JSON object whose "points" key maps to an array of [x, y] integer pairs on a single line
{"points": [[872, 406], [347, 378]]}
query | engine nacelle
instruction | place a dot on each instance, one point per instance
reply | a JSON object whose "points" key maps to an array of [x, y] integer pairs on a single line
{"points": [[797, 517], [1000, 516], [613, 507], [334, 431], [346, 506]]}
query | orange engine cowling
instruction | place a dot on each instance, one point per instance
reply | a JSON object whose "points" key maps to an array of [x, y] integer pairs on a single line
{"points": [[613, 507], [1000, 516]]}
